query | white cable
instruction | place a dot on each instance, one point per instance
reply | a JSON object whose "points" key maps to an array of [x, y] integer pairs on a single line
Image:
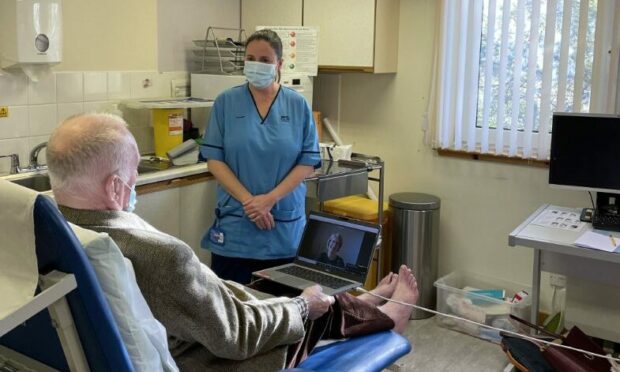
{"points": [[519, 335], [332, 132]]}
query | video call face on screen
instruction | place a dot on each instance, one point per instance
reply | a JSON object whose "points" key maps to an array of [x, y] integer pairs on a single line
{"points": [[320, 235]]}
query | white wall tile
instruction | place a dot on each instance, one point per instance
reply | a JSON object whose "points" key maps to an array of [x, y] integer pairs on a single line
{"points": [[101, 106], [35, 109], [95, 86], [153, 89], [16, 124], [32, 142], [17, 146], [13, 89], [119, 85], [43, 91], [69, 87], [144, 139], [42, 119], [137, 117], [68, 109]]}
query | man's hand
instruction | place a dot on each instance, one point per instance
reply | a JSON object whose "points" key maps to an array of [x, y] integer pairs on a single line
{"points": [[318, 302]]}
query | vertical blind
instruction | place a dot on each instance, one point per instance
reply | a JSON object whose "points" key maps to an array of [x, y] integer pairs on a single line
{"points": [[502, 67]]}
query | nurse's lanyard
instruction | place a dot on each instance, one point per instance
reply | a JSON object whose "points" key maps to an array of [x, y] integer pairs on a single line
{"points": [[217, 235]]}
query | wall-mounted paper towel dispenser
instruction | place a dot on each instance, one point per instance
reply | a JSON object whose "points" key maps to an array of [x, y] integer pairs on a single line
{"points": [[30, 34]]}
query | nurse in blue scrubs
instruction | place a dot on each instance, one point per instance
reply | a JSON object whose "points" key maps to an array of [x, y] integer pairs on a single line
{"points": [[260, 144]]}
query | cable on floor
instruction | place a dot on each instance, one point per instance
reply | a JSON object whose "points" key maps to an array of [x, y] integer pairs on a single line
{"points": [[610, 358]]}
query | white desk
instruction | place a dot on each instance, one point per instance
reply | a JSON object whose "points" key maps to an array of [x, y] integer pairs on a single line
{"points": [[554, 251]]}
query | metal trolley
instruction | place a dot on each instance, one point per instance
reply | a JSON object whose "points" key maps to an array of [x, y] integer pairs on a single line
{"points": [[336, 179]]}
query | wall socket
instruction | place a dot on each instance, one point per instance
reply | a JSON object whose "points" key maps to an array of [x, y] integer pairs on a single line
{"points": [[557, 280], [179, 88]]}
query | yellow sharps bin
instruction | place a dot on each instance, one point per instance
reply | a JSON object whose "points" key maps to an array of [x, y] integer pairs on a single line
{"points": [[167, 119], [167, 129]]}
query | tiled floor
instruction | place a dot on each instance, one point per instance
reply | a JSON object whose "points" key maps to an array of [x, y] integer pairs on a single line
{"points": [[439, 349]]}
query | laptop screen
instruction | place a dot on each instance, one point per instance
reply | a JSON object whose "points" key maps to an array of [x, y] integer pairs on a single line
{"points": [[339, 245]]}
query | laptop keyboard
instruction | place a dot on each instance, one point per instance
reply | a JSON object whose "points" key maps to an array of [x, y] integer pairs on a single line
{"points": [[314, 276]]}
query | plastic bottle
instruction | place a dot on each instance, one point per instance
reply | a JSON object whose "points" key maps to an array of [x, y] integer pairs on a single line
{"points": [[555, 320], [114, 110]]}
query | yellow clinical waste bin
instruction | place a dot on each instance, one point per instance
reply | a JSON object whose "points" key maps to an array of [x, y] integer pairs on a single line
{"points": [[167, 129], [361, 208]]}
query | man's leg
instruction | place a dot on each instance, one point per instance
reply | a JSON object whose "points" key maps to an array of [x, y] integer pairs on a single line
{"points": [[348, 316], [384, 289], [351, 316]]}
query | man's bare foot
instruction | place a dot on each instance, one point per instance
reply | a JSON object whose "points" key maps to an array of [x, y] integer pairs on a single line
{"points": [[385, 289], [406, 291]]}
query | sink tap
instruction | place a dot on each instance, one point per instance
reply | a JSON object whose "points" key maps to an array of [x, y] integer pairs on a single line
{"points": [[15, 168], [34, 155]]}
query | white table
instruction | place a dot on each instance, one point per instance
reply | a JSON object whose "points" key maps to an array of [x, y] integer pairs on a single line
{"points": [[555, 252]]}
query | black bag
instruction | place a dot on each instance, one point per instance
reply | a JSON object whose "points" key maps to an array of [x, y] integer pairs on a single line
{"points": [[562, 359], [525, 355]]}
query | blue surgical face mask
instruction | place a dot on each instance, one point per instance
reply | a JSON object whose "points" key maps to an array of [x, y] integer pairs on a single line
{"points": [[131, 206], [259, 74]]}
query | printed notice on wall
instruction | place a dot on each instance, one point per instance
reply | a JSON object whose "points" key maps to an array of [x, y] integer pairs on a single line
{"points": [[299, 49], [559, 219]]}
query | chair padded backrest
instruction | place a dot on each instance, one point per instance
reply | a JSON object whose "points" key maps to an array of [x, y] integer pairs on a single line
{"points": [[57, 248]]}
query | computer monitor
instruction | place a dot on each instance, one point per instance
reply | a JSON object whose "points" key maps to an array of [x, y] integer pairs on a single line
{"points": [[585, 152]]}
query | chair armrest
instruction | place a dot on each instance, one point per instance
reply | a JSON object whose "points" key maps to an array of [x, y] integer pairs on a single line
{"points": [[373, 352]]}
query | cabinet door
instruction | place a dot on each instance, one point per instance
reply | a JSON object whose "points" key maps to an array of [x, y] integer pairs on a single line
{"points": [[270, 13], [346, 31], [161, 209], [198, 203]]}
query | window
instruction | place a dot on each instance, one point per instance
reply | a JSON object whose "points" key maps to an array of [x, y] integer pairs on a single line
{"points": [[502, 67]]}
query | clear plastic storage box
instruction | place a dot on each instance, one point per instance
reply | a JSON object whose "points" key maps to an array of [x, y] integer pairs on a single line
{"points": [[479, 298]]}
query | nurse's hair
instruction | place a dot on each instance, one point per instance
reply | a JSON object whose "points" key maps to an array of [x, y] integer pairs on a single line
{"points": [[272, 38], [269, 36]]}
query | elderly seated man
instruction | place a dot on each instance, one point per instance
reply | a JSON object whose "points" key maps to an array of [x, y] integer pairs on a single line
{"points": [[212, 324]]}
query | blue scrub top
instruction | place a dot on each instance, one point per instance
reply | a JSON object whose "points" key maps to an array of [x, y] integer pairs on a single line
{"points": [[261, 153]]}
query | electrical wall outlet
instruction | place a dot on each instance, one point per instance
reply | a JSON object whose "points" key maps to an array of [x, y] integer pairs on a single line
{"points": [[179, 88], [557, 280]]}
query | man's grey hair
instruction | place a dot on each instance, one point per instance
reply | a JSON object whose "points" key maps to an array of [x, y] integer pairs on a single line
{"points": [[87, 148]]}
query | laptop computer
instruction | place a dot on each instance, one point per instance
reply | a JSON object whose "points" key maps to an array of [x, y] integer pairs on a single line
{"points": [[334, 252]]}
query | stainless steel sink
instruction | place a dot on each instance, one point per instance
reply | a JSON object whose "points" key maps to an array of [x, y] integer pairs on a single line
{"points": [[36, 182]]}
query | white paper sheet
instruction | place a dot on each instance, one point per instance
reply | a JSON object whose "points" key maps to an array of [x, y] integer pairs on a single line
{"points": [[18, 261], [559, 219], [597, 239]]}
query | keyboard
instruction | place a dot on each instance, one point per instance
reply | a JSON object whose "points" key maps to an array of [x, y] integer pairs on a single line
{"points": [[605, 221], [314, 276]]}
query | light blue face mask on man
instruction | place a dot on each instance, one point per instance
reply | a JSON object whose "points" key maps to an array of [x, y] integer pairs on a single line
{"points": [[133, 198], [259, 74]]}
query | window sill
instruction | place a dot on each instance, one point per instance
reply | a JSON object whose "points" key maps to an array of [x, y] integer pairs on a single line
{"points": [[495, 158]]}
